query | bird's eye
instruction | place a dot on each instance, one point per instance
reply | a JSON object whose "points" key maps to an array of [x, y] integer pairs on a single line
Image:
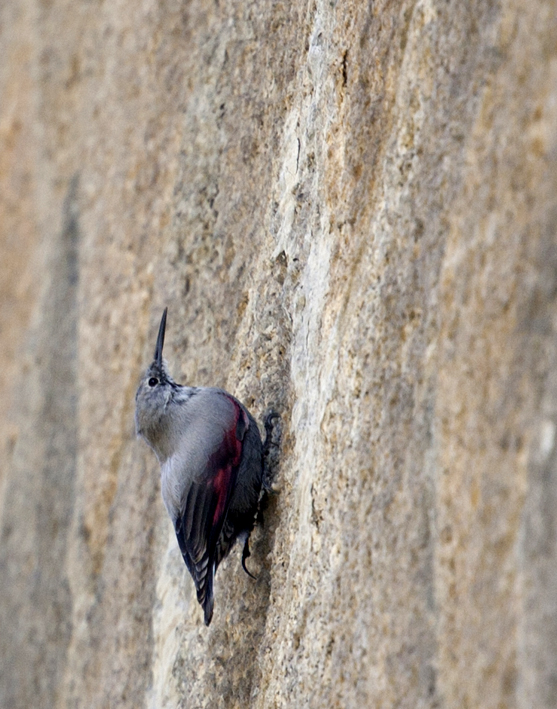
{"points": [[153, 382]]}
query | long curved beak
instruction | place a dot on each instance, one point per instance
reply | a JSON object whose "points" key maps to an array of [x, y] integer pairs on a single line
{"points": [[160, 340]]}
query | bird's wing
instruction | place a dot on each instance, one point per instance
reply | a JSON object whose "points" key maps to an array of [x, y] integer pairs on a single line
{"points": [[204, 509]]}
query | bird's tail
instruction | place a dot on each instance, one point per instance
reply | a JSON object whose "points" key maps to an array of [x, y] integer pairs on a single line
{"points": [[208, 601]]}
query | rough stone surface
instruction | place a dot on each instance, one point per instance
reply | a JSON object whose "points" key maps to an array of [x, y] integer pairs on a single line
{"points": [[351, 211]]}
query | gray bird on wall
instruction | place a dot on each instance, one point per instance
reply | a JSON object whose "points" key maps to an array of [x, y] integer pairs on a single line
{"points": [[212, 466]]}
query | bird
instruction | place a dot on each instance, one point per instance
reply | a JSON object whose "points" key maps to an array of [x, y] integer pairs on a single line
{"points": [[212, 461]]}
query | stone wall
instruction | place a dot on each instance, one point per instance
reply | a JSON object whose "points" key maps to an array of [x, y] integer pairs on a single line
{"points": [[350, 209]]}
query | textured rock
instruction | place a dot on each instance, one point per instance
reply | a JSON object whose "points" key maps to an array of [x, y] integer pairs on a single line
{"points": [[350, 210]]}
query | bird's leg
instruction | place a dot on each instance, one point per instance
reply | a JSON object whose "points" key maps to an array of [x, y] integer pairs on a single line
{"points": [[245, 555], [269, 426], [270, 457], [271, 446]]}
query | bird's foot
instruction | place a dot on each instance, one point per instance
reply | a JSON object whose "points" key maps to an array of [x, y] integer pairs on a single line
{"points": [[271, 445], [269, 427], [245, 555]]}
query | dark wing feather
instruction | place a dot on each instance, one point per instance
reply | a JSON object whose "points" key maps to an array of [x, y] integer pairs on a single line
{"points": [[199, 526]]}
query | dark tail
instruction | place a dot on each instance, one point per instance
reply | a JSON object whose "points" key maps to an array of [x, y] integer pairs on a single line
{"points": [[208, 601]]}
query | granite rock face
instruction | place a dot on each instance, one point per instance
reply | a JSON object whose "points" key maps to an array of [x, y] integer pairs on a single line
{"points": [[351, 211]]}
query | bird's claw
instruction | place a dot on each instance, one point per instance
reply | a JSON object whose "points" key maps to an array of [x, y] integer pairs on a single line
{"points": [[246, 552]]}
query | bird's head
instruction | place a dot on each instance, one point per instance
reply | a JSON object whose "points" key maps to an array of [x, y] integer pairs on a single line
{"points": [[154, 392]]}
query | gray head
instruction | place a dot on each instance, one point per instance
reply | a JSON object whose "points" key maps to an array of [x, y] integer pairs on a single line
{"points": [[154, 392]]}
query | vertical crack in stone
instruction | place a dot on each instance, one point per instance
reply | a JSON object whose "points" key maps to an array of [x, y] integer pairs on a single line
{"points": [[35, 599]]}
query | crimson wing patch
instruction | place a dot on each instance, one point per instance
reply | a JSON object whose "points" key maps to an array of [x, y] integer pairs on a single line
{"points": [[199, 527]]}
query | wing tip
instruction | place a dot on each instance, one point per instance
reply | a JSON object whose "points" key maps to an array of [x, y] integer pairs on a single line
{"points": [[208, 602]]}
